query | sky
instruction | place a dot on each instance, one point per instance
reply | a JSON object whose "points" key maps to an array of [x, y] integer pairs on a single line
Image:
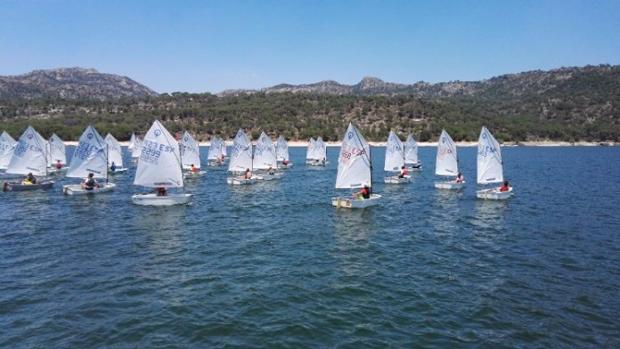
{"points": [[210, 46]]}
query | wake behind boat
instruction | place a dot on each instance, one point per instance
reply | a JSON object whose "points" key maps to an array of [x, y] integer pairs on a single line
{"points": [[446, 163], [354, 171], [159, 167], [490, 168]]}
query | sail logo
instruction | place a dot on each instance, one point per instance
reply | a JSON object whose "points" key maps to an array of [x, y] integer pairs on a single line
{"points": [[486, 150], [30, 135], [157, 133], [90, 136], [350, 135]]}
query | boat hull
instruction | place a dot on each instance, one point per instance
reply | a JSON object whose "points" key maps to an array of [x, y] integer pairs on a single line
{"points": [[119, 170], [190, 175], [316, 163], [152, 199], [44, 185], [449, 185], [76, 189], [349, 202], [284, 167], [494, 194], [415, 168], [240, 181], [397, 180], [269, 177], [215, 163]]}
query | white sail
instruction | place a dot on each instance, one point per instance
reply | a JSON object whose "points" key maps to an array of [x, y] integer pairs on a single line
{"points": [[320, 149], [115, 151], [411, 150], [190, 151], [446, 163], [489, 162], [264, 153], [7, 146], [30, 155], [132, 142], [394, 153], [310, 152], [224, 150], [241, 156], [56, 151], [354, 164], [135, 146], [215, 149], [159, 164], [282, 149], [90, 156]]}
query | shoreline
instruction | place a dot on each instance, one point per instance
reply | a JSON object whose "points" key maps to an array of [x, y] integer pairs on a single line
{"points": [[297, 144]]}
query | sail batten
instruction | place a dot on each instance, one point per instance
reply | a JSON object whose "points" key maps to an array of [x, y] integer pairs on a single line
{"points": [[446, 162], [159, 164], [354, 166], [489, 159]]}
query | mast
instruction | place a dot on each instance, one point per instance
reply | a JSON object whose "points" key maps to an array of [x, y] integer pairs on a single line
{"points": [[107, 159]]}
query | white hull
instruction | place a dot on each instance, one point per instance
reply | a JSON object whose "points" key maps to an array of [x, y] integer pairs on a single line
{"points": [[284, 167], [27, 187], [269, 177], [215, 163], [349, 202], [494, 194], [76, 189], [397, 180], [153, 200], [189, 175], [316, 163], [449, 185], [118, 170], [240, 181]]}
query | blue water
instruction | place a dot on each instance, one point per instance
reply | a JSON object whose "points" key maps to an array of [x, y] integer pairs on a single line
{"points": [[274, 265]]}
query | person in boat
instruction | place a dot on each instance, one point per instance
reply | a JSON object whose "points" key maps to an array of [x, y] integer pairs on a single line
{"points": [[220, 160], [505, 187], [90, 183], [271, 171], [58, 165], [364, 193], [459, 178], [113, 167], [30, 179], [247, 174], [403, 172], [161, 191], [285, 162], [323, 162], [194, 169]]}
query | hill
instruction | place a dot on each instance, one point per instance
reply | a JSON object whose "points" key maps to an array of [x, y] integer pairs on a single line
{"points": [[70, 83]]}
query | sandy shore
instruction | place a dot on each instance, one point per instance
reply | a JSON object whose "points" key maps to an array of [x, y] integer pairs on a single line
{"points": [[432, 144]]}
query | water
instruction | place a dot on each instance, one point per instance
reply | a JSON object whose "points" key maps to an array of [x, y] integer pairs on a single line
{"points": [[274, 265]]}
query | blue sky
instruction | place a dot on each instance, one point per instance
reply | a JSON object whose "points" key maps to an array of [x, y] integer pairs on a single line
{"points": [[200, 46]]}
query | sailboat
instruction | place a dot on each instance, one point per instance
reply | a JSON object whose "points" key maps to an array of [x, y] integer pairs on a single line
{"points": [[159, 166], [395, 160], [310, 152], [490, 167], [90, 156], [190, 155], [135, 146], [224, 148], [216, 155], [115, 155], [354, 170], [411, 154], [241, 160], [56, 154], [265, 159], [446, 163], [282, 155], [29, 156], [7, 147]]}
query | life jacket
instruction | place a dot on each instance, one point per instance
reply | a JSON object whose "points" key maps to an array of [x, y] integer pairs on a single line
{"points": [[504, 188]]}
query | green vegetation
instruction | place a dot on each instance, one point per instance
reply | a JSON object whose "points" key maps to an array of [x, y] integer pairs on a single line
{"points": [[528, 106]]}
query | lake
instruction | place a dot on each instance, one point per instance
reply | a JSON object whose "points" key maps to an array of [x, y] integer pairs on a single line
{"points": [[274, 265]]}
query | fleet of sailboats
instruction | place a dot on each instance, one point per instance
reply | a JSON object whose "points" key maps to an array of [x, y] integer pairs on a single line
{"points": [[446, 163], [395, 161], [162, 161], [90, 162], [159, 167]]}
